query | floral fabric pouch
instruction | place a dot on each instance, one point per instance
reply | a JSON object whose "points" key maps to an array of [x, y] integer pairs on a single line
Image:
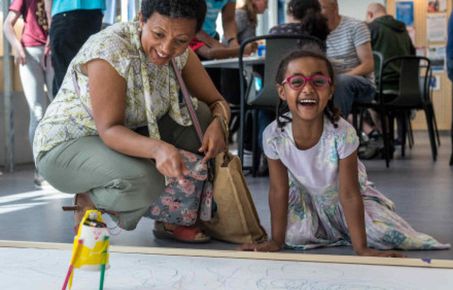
{"points": [[181, 203]]}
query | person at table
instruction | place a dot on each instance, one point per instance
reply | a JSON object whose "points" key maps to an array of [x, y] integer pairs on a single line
{"points": [[389, 37], [246, 22], [209, 36], [206, 52], [349, 49], [208, 33], [247, 18], [304, 18], [118, 83]]}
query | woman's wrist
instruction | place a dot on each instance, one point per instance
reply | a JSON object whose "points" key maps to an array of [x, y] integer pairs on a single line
{"points": [[220, 108], [231, 39], [223, 125]]}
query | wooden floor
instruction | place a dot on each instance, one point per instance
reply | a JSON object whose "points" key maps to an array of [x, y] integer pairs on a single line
{"points": [[421, 189]]}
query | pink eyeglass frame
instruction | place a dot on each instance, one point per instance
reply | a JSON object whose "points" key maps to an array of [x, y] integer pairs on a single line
{"points": [[306, 80]]}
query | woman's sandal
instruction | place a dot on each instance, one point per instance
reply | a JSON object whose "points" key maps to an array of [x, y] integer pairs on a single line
{"points": [[82, 203], [184, 234]]}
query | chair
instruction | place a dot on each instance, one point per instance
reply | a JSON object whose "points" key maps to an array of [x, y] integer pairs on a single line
{"points": [[359, 111], [277, 46], [413, 70]]}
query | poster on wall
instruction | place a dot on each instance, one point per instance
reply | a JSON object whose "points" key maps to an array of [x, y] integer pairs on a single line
{"points": [[420, 51], [436, 53], [434, 82], [436, 27], [405, 12], [437, 6]]}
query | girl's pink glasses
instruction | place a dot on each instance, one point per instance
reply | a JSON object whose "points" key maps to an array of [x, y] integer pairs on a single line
{"points": [[298, 82]]}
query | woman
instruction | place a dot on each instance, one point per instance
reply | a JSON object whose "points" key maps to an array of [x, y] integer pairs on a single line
{"points": [[31, 55], [304, 17], [246, 18], [119, 82]]}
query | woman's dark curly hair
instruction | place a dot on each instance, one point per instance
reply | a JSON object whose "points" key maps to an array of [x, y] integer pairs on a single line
{"points": [[308, 12], [332, 113], [190, 9]]}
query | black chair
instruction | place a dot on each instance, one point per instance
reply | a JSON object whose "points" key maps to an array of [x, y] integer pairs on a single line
{"points": [[358, 111], [413, 71], [277, 46]]}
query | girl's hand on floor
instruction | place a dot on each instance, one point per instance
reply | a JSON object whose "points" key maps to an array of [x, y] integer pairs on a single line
{"points": [[268, 246], [376, 253]]}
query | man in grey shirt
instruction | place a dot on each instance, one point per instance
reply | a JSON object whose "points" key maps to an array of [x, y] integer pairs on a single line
{"points": [[349, 50]]}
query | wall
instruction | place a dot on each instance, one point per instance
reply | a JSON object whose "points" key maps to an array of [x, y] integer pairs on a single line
{"points": [[441, 98], [22, 146], [356, 9]]}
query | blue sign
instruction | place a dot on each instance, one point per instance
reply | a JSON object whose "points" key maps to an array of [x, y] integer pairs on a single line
{"points": [[405, 12]]}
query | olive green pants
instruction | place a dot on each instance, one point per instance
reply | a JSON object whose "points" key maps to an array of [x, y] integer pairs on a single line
{"points": [[116, 182]]}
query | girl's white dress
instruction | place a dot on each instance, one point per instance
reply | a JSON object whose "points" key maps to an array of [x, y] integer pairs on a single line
{"points": [[315, 216]]}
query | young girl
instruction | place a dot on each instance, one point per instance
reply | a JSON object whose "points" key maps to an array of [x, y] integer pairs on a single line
{"points": [[319, 194]]}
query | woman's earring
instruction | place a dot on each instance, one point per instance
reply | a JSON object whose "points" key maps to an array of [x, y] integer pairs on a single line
{"points": [[139, 29]]}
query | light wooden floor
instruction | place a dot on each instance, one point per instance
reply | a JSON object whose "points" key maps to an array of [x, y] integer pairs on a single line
{"points": [[421, 189]]}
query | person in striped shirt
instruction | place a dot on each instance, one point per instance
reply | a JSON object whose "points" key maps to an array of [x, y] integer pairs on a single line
{"points": [[349, 50]]}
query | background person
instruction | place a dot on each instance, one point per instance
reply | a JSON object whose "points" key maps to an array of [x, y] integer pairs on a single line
{"points": [[31, 54], [349, 49], [72, 22], [209, 36], [246, 18], [389, 37], [304, 18]]}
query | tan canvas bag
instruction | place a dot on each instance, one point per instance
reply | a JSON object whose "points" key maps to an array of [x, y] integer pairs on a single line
{"points": [[236, 219]]}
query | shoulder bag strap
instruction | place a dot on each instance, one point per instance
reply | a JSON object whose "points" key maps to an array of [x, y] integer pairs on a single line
{"points": [[188, 101]]}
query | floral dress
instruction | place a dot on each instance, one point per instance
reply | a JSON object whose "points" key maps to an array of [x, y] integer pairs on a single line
{"points": [[315, 215]]}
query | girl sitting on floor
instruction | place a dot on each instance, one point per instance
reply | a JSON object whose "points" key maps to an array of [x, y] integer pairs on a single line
{"points": [[319, 194]]}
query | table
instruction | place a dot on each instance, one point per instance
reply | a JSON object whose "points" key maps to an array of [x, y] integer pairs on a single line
{"points": [[233, 63]]}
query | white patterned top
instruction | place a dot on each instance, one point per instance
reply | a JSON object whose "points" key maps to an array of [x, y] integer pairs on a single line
{"points": [[152, 90], [314, 169]]}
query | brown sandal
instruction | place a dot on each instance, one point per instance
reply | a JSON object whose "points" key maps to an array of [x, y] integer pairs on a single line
{"points": [[82, 203]]}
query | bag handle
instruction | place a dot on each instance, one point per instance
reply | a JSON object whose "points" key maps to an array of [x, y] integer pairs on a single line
{"points": [[188, 101], [189, 104]]}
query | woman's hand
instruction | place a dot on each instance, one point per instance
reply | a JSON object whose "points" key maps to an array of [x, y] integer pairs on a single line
{"points": [[250, 48], [267, 246], [45, 63], [19, 56], [376, 253], [213, 140], [169, 161]]}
